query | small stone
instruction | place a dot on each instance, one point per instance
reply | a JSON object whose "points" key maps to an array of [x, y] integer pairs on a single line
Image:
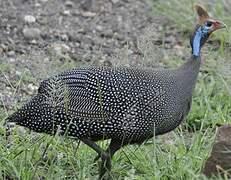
{"points": [[10, 125], [69, 4], [88, 14], [129, 52], [76, 12], [31, 33], [32, 88], [60, 49], [170, 39], [18, 73], [12, 60], [11, 54], [86, 5], [99, 28], [21, 131], [33, 41], [64, 37], [120, 19], [37, 5], [67, 13], [29, 19], [66, 47], [114, 1], [46, 59], [77, 44], [108, 33]]}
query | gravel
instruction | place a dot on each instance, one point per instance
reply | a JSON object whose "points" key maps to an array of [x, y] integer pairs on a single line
{"points": [[31, 33], [38, 37], [29, 19]]}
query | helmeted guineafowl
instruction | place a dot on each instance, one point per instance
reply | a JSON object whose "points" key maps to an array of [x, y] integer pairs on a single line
{"points": [[125, 105]]}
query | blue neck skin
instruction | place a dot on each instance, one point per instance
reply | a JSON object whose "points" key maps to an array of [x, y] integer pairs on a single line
{"points": [[196, 46], [197, 42]]}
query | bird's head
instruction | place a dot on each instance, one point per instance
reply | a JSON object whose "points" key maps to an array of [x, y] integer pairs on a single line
{"points": [[206, 25]]}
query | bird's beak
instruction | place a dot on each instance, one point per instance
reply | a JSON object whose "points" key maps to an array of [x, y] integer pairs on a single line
{"points": [[219, 25]]}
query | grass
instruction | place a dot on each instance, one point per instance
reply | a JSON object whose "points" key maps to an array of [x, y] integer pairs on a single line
{"points": [[177, 155]]}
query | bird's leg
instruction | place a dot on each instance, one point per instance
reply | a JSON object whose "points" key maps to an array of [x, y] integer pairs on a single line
{"points": [[105, 166], [105, 155], [96, 158], [93, 145], [106, 158]]}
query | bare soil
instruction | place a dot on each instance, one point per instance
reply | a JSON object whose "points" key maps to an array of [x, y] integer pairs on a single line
{"points": [[41, 37]]}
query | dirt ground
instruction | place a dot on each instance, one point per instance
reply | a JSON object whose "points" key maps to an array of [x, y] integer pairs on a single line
{"points": [[39, 38]]}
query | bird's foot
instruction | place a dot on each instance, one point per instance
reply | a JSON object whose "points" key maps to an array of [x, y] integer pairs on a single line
{"points": [[105, 166]]}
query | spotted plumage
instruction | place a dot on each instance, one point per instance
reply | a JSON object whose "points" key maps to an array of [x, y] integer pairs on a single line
{"points": [[121, 103], [126, 105]]}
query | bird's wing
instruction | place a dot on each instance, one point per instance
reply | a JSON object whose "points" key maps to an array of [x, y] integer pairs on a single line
{"points": [[83, 94]]}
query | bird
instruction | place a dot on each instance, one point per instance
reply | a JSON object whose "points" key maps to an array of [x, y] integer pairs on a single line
{"points": [[122, 104]]}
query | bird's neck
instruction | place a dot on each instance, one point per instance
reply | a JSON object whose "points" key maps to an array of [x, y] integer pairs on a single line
{"points": [[196, 44], [186, 76], [188, 72], [198, 39], [192, 66]]}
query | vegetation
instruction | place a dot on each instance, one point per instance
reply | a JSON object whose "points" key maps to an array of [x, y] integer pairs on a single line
{"points": [[177, 155]]}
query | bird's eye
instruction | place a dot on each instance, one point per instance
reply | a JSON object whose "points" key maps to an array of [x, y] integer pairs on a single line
{"points": [[208, 23]]}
